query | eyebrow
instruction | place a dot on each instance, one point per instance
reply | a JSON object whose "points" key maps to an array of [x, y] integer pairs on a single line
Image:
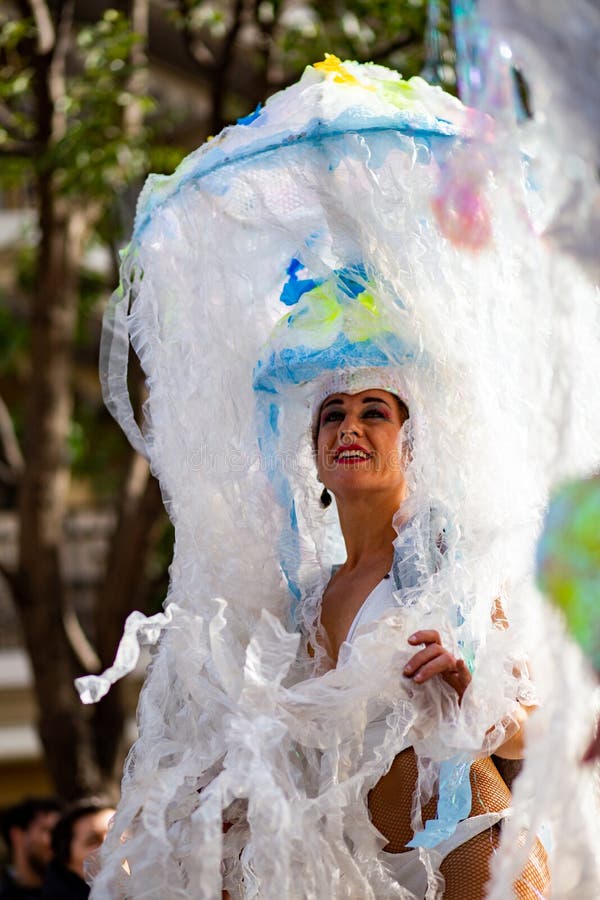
{"points": [[336, 400]]}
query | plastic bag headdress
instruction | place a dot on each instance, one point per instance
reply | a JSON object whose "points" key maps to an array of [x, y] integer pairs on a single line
{"points": [[336, 337], [318, 206]]}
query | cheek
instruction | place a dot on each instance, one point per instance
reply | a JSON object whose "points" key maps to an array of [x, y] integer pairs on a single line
{"points": [[393, 455], [326, 466], [320, 460], [323, 450], [77, 851]]}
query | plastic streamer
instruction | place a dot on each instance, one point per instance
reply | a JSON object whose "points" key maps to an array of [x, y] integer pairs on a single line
{"points": [[554, 49], [314, 238]]}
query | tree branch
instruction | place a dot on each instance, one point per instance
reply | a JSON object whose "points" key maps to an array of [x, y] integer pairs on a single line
{"points": [[46, 35], [376, 55], [11, 580], [57, 70], [19, 148], [398, 43], [140, 508], [8, 440], [231, 36], [85, 654], [205, 63], [219, 80], [9, 123], [122, 591], [7, 475], [268, 29], [133, 114]]}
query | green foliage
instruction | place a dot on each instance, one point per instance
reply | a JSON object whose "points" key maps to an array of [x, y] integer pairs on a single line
{"points": [[163, 157], [92, 155], [14, 339], [385, 31], [77, 443], [16, 73], [353, 30], [288, 35], [96, 156], [98, 451], [25, 259], [302, 32], [212, 17]]}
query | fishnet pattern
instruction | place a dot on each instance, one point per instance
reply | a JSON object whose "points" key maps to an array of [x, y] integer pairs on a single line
{"points": [[390, 802], [466, 869]]}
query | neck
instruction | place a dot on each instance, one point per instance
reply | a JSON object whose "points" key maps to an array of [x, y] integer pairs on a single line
{"points": [[25, 874], [366, 523]]}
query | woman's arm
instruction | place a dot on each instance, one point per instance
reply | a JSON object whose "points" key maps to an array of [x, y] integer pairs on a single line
{"points": [[514, 746], [434, 660]]}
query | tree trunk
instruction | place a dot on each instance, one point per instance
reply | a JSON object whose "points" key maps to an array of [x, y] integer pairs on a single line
{"points": [[64, 726], [80, 743], [141, 502]]}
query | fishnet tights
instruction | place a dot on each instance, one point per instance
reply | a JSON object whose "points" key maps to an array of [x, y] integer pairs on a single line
{"points": [[466, 869]]}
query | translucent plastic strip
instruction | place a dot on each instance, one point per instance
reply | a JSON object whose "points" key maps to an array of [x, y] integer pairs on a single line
{"points": [[138, 630], [114, 359]]}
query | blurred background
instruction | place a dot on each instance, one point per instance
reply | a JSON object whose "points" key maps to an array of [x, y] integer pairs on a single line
{"points": [[93, 97]]}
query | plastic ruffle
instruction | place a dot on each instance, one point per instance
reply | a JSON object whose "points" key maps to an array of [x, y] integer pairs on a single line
{"points": [[238, 722]]}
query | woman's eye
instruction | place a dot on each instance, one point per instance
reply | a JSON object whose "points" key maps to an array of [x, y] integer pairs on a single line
{"points": [[374, 413], [333, 416]]}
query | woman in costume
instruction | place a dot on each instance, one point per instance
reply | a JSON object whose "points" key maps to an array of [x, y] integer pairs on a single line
{"points": [[360, 427], [327, 259], [359, 457]]}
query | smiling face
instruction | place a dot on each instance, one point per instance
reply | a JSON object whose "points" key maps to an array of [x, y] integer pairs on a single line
{"points": [[358, 443]]}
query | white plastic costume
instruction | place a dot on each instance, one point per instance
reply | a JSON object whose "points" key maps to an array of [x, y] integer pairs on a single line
{"points": [[407, 867], [305, 241]]}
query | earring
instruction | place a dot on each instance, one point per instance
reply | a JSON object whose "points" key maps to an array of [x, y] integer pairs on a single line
{"points": [[325, 498]]}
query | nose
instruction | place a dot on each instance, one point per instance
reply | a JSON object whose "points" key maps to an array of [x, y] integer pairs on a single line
{"points": [[349, 429]]}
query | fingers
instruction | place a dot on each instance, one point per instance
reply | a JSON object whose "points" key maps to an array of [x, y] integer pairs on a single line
{"points": [[461, 681], [425, 637], [434, 660]]}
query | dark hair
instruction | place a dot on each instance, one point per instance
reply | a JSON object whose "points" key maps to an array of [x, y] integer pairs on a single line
{"points": [[404, 412], [62, 835], [22, 814]]}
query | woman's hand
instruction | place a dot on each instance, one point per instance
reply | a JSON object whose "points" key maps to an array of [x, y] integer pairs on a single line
{"points": [[434, 660]]}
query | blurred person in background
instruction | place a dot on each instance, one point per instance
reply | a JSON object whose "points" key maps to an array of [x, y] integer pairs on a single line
{"points": [[79, 831], [27, 829]]}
